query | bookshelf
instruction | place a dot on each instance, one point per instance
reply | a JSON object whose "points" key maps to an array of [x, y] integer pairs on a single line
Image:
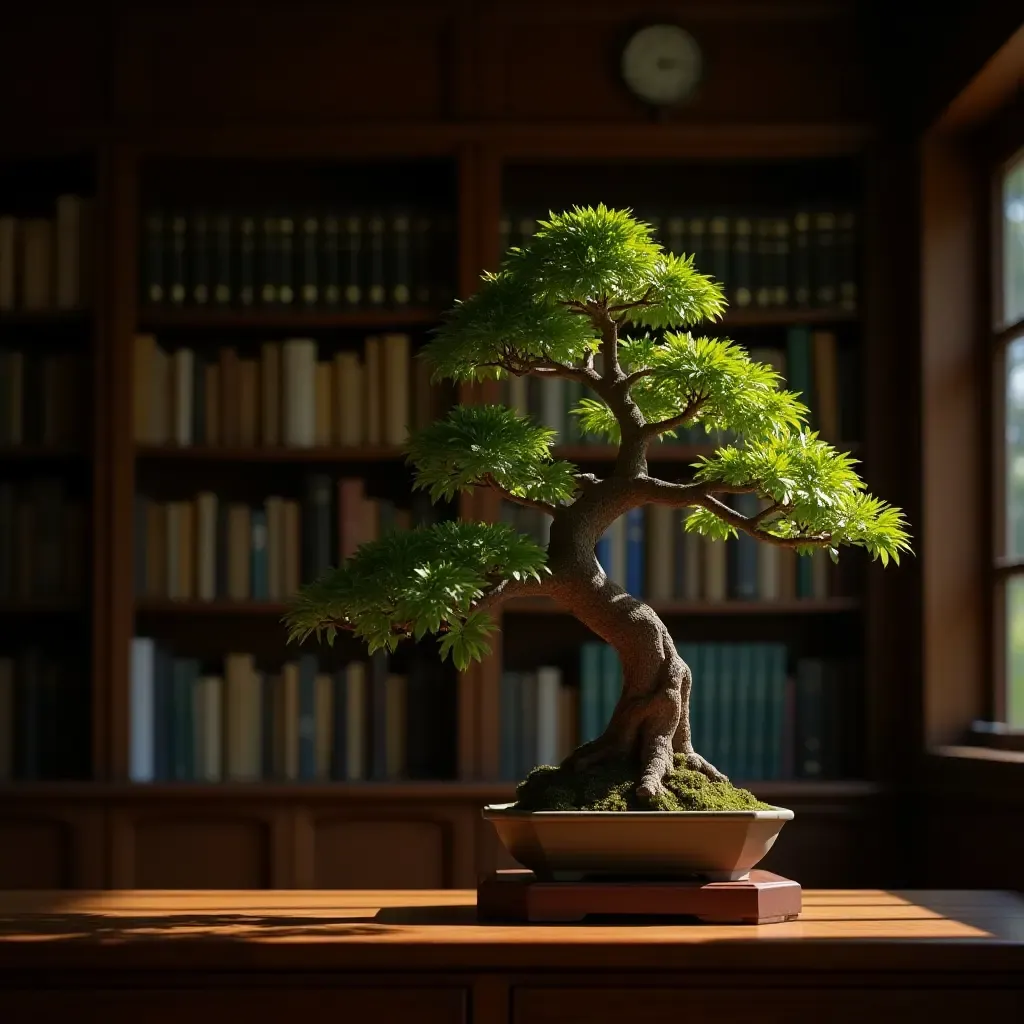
{"points": [[472, 162]]}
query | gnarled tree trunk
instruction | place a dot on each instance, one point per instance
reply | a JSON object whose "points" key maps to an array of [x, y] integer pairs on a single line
{"points": [[651, 721]]}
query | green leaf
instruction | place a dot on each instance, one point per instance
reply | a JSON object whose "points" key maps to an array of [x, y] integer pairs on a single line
{"points": [[413, 582]]}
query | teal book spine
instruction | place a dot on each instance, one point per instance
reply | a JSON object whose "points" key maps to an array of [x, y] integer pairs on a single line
{"points": [[743, 685], [690, 653], [727, 709], [590, 691], [611, 683], [759, 714], [777, 696], [711, 703]]}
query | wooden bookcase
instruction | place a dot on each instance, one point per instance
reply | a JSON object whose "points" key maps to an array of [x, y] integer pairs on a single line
{"points": [[99, 829]]}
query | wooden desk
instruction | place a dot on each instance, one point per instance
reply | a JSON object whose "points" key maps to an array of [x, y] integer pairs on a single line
{"points": [[419, 955]]}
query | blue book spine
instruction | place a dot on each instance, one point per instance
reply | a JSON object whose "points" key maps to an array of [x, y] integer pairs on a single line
{"points": [[339, 748], [164, 725], [604, 552], [511, 699], [142, 710], [798, 364], [745, 577], [804, 576], [259, 565], [635, 556], [611, 683], [710, 703], [590, 691], [307, 717]]}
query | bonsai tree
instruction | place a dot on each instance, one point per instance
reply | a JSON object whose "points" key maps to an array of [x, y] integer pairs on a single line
{"points": [[593, 298]]}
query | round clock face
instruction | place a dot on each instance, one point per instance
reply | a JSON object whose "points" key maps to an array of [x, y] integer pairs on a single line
{"points": [[662, 64]]}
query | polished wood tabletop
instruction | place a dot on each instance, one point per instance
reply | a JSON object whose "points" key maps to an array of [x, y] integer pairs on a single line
{"points": [[437, 929]]}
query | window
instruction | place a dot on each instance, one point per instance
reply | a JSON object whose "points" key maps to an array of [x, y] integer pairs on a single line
{"points": [[1009, 467]]}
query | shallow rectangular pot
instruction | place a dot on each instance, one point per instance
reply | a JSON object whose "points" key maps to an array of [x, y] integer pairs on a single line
{"points": [[568, 845]]}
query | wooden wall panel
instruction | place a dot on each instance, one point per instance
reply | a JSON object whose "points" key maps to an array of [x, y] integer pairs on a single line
{"points": [[298, 60], [35, 854], [54, 67], [355, 853], [174, 851], [789, 63]]}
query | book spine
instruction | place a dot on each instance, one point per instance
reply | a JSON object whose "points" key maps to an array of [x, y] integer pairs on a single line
{"points": [[221, 268]]}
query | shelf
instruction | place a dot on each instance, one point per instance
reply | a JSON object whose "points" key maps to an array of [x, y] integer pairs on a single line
{"points": [[288, 319], [406, 791], [39, 453], [199, 453], [787, 317], [45, 318], [166, 606], [801, 606], [40, 607]]}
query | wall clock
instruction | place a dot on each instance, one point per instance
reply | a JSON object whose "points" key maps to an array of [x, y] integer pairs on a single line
{"points": [[662, 64]]}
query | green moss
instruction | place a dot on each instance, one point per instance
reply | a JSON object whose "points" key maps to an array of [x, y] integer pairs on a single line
{"points": [[612, 787]]}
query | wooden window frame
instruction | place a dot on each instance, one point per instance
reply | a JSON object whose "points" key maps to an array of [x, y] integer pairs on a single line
{"points": [[1004, 149]]}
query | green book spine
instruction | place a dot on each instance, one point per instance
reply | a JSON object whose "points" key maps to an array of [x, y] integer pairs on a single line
{"points": [[800, 276], [220, 271], [776, 665], [247, 261], [154, 291], [741, 282], [710, 660], [744, 718], [200, 276], [330, 260], [286, 261], [268, 248], [352, 257], [781, 296], [611, 682], [177, 281], [376, 291], [400, 260], [309, 261], [823, 264], [422, 242], [726, 718], [798, 365]]}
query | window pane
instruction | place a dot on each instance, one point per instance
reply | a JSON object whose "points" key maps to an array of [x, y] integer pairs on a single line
{"points": [[1014, 536], [1013, 244], [1015, 651]]}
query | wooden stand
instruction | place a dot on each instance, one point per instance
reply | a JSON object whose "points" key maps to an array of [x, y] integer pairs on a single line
{"points": [[517, 895]]}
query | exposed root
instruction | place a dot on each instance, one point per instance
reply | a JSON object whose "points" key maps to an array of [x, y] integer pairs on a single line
{"points": [[696, 763]]}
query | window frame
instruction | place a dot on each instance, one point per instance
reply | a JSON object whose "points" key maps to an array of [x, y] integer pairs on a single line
{"points": [[1005, 150]]}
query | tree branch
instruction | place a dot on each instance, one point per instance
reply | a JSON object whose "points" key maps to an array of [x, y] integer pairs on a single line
{"points": [[645, 300], [541, 506], [508, 589], [691, 410], [733, 518], [636, 375]]}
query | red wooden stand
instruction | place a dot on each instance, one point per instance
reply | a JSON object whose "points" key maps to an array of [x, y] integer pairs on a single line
{"points": [[516, 895]]}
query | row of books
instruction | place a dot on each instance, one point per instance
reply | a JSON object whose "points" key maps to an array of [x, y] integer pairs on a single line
{"points": [[751, 715], [648, 553], [207, 549], [282, 395], [42, 541], [41, 398], [297, 723], [47, 263], [313, 258], [44, 717], [824, 372], [794, 258]]}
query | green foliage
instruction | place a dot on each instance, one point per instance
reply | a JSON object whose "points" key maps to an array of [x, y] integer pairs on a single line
{"points": [[413, 582], [817, 489], [480, 441], [713, 376], [611, 786], [506, 320]]}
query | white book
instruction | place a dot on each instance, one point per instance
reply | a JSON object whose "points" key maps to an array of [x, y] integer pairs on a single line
{"points": [[8, 262], [206, 545], [661, 546], [715, 570], [348, 397], [142, 710], [207, 698], [183, 370], [396, 388], [372, 388], [299, 371], [553, 407], [355, 721], [517, 394], [69, 250], [549, 682]]}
